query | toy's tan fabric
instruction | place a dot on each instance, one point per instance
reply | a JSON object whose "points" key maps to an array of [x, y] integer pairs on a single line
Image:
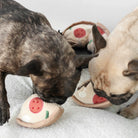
{"points": [[80, 34], [35, 113], [85, 96], [77, 34]]}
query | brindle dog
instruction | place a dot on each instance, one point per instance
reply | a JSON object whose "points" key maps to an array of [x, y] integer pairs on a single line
{"points": [[30, 47]]}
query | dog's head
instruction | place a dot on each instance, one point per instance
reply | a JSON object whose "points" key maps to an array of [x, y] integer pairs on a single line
{"points": [[114, 72], [55, 71]]}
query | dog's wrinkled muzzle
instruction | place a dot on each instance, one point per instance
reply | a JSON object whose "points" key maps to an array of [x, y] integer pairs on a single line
{"points": [[113, 98]]}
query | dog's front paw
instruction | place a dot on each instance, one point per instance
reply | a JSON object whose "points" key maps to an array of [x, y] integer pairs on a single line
{"points": [[127, 113], [4, 113]]}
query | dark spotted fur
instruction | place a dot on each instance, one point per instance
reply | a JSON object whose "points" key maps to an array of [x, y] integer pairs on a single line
{"points": [[30, 47]]}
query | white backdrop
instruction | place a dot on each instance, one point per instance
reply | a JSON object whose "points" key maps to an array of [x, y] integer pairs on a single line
{"points": [[62, 13]]}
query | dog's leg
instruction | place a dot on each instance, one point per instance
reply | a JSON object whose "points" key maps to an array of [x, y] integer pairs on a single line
{"points": [[4, 105], [34, 89], [131, 111]]}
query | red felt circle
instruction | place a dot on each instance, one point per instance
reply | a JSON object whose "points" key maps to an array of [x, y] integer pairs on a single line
{"points": [[97, 99], [79, 32], [36, 105], [100, 30]]}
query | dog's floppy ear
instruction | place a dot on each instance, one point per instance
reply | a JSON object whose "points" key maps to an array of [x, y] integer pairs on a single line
{"points": [[99, 41], [32, 67], [82, 61], [132, 69]]}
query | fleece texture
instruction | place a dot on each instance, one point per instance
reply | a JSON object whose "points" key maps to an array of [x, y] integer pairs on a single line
{"points": [[76, 122]]}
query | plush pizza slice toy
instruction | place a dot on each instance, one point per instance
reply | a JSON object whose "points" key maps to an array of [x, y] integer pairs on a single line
{"points": [[85, 96], [80, 34], [35, 113]]}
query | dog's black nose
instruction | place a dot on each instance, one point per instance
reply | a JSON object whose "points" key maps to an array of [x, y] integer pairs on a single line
{"points": [[58, 101], [61, 102]]}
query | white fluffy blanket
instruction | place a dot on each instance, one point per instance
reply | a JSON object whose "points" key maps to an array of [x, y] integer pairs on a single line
{"points": [[76, 122]]}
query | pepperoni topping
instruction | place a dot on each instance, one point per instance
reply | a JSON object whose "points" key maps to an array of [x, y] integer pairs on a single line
{"points": [[100, 30], [97, 99], [36, 105], [79, 32]]}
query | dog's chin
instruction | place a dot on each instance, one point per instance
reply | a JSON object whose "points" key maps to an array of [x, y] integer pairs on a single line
{"points": [[117, 100]]}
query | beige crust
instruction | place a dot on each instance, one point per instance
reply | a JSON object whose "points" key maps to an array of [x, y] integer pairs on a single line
{"points": [[89, 23], [81, 22], [47, 122], [100, 105], [104, 28]]}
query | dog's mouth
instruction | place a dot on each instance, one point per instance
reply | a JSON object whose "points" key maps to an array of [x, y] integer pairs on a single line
{"points": [[119, 99], [57, 100], [50, 99], [114, 98]]}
